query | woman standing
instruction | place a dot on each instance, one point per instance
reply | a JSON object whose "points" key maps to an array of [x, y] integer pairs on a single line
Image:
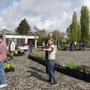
{"points": [[51, 61]]}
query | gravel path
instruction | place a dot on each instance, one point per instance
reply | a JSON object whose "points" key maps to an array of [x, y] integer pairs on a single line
{"points": [[30, 75]]}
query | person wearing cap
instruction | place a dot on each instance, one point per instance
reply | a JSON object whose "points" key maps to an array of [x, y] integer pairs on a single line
{"points": [[3, 56]]}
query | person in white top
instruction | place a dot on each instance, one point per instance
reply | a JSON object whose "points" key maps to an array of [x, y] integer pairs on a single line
{"points": [[11, 48], [51, 61], [50, 37]]}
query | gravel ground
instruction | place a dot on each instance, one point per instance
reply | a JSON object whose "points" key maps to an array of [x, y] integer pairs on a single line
{"points": [[30, 75]]}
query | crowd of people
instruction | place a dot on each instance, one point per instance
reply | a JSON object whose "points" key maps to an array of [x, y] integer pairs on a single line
{"points": [[72, 46]]}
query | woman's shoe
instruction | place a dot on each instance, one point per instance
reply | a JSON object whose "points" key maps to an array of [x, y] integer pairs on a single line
{"points": [[54, 83], [3, 85], [49, 81]]}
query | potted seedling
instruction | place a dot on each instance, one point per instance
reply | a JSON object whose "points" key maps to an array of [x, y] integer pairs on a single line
{"points": [[9, 67]]}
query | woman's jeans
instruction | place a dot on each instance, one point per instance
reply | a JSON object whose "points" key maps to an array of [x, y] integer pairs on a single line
{"points": [[30, 49], [2, 73], [51, 65]]}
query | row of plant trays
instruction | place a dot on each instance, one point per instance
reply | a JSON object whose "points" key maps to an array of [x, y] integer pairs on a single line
{"points": [[79, 71], [19, 53], [37, 59]]}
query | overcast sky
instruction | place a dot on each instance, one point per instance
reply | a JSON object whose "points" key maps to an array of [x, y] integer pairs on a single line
{"points": [[45, 14]]}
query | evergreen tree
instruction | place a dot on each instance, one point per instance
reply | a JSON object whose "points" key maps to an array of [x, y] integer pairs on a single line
{"points": [[23, 28], [74, 27], [79, 33], [69, 33], [84, 20], [74, 31]]}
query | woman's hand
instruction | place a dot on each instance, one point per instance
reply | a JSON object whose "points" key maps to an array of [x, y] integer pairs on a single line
{"points": [[44, 49]]}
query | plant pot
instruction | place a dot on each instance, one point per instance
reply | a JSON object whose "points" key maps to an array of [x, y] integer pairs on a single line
{"points": [[20, 53], [74, 73], [60, 68], [10, 69], [31, 57], [67, 71], [78, 74], [87, 77], [15, 54]]}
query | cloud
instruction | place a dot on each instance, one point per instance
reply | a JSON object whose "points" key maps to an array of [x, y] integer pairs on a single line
{"points": [[87, 3], [47, 14], [2, 1]]}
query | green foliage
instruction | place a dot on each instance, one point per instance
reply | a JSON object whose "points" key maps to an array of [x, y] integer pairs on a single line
{"points": [[40, 40], [74, 30], [87, 69], [8, 65], [20, 50], [23, 28], [58, 36], [72, 66], [15, 51], [69, 32], [61, 45], [84, 21], [78, 33], [36, 55], [88, 44], [41, 33], [79, 67]]}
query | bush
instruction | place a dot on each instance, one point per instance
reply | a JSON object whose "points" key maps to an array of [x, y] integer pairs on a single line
{"points": [[88, 44]]}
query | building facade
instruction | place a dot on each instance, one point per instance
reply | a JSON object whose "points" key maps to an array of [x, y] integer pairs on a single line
{"points": [[19, 39], [22, 39]]}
